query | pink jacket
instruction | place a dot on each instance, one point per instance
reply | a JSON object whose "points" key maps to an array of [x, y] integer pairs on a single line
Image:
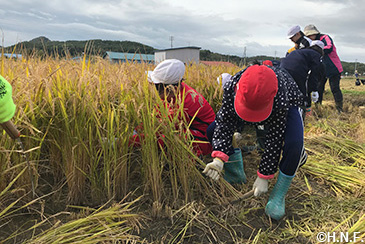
{"points": [[330, 59]]}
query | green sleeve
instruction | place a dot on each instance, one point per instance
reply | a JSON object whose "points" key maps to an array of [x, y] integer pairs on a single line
{"points": [[7, 106]]}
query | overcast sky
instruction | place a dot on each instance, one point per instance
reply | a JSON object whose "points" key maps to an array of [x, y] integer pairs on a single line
{"points": [[225, 26]]}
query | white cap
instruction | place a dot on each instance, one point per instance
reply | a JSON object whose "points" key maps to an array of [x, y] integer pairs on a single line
{"points": [[169, 71], [293, 30], [225, 77], [318, 43]]}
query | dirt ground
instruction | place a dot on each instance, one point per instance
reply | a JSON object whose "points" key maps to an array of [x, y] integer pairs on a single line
{"points": [[238, 222]]}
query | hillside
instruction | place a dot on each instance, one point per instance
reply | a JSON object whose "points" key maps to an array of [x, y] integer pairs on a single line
{"points": [[207, 55], [43, 46]]}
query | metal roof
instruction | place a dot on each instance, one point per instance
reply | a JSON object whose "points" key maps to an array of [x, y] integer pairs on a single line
{"points": [[129, 56], [11, 55], [177, 48]]}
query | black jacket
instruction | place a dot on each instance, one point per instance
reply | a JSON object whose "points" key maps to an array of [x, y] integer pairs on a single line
{"points": [[304, 65]]}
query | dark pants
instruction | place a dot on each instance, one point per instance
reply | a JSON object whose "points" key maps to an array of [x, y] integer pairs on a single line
{"points": [[335, 88], [293, 142]]}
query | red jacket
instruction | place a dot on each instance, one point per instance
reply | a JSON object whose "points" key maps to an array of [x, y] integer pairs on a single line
{"points": [[198, 109]]}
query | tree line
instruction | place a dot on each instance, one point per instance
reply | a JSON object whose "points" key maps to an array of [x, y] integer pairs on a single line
{"points": [[42, 46]]}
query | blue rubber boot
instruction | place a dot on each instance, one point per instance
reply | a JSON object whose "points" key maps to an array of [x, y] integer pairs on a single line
{"points": [[233, 169], [275, 207]]}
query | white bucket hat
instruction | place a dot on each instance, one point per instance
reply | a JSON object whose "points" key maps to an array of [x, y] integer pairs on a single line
{"points": [[310, 30], [169, 71]]}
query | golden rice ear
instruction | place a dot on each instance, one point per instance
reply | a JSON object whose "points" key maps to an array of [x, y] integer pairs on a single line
{"points": [[171, 89]]}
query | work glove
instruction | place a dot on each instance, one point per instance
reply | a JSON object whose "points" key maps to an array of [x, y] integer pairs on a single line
{"points": [[315, 96], [236, 138], [214, 168], [260, 186], [7, 106]]}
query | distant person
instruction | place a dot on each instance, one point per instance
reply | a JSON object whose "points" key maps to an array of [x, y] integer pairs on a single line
{"points": [[267, 62], [299, 39], [223, 78], [332, 63], [357, 82], [262, 95]]}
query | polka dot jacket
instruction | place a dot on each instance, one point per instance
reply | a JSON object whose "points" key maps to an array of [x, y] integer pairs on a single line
{"points": [[227, 121]]}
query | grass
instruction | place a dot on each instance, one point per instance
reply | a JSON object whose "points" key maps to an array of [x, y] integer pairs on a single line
{"points": [[76, 120], [353, 92]]}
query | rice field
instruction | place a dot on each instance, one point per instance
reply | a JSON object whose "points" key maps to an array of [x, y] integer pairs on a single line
{"points": [[76, 120]]}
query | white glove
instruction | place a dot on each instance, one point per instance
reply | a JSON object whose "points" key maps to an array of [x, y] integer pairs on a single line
{"points": [[214, 168], [236, 138], [260, 186], [315, 96]]}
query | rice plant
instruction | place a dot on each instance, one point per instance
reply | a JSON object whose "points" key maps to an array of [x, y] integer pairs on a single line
{"points": [[77, 119]]}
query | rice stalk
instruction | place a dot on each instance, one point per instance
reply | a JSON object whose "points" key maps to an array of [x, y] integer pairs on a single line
{"points": [[110, 225]]}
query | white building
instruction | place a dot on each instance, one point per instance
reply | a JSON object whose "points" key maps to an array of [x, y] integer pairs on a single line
{"points": [[184, 54]]}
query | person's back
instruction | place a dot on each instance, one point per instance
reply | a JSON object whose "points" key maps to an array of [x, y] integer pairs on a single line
{"points": [[330, 58], [299, 62], [197, 108]]}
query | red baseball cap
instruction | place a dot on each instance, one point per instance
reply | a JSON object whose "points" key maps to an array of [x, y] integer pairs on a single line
{"points": [[255, 94], [267, 62]]}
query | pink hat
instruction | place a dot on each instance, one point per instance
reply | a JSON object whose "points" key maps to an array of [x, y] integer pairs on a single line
{"points": [[255, 94]]}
